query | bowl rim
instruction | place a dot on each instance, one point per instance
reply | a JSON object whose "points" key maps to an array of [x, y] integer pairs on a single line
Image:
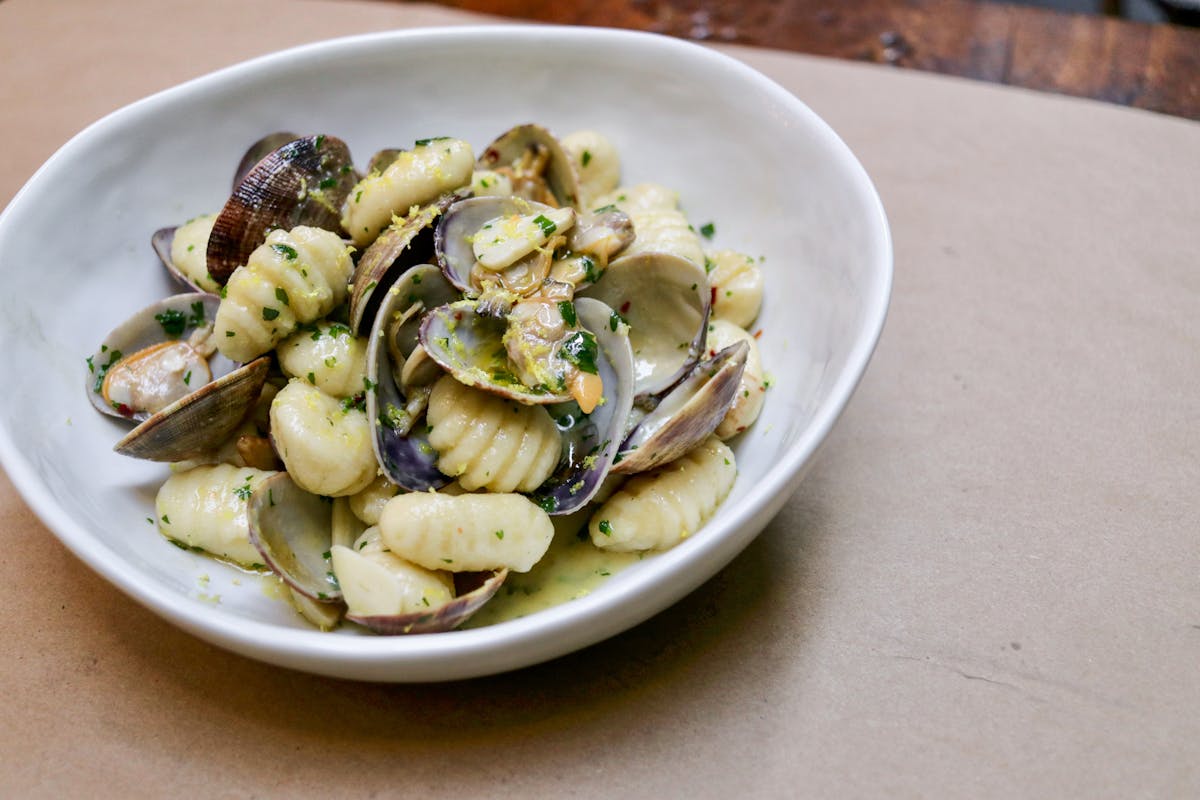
{"points": [[549, 633]]}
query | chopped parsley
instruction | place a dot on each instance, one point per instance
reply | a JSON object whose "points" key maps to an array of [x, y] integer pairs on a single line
{"points": [[605, 527], [707, 230], [173, 322], [499, 534], [269, 313], [567, 309], [282, 296], [587, 158], [287, 251], [545, 223], [580, 349]]}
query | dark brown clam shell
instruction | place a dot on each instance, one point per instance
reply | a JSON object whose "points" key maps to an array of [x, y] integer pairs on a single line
{"points": [[304, 182], [472, 590], [260, 150]]}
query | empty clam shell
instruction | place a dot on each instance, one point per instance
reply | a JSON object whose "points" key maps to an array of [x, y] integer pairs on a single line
{"points": [[534, 143], [590, 441], [665, 299], [686, 415], [403, 245], [293, 530], [472, 590], [402, 449], [304, 182], [197, 423]]}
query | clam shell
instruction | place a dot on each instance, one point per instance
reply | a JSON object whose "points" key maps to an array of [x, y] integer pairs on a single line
{"points": [[560, 176], [194, 425], [293, 531], [472, 590], [260, 150], [143, 330], [590, 440], [452, 240], [666, 300], [402, 245], [469, 345], [304, 182], [408, 460], [686, 415]]}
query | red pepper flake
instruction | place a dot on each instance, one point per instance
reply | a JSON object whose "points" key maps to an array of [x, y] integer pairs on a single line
{"points": [[124, 410], [624, 309], [713, 296], [758, 333]]}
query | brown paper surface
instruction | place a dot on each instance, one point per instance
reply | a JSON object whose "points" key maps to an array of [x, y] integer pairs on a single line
{"points": [[988, 586]]}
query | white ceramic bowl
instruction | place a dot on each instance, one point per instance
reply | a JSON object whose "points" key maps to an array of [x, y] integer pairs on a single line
{"points": [[742, 152]]}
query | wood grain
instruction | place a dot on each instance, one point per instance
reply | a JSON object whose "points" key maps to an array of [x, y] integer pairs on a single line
{"points": [[1156, 67]]}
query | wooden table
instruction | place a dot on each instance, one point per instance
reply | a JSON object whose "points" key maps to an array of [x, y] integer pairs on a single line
{"points": [[1156, 67]]}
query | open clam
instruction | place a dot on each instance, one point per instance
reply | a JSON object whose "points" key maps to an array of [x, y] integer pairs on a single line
{"points": [[471, 591], [406, 243], [536, 162], [666, 301], [590, 441], [686, 415], [159, 355], [303, 182], [467, 221], [402, 448]]}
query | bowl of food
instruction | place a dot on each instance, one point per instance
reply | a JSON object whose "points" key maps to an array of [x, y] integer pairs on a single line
{"points": [[431, 354]]}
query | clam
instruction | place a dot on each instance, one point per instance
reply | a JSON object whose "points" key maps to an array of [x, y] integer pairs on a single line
{"points": [[590, 440], [402, 448], [163, 239], [469, 224], [303, 182], [293, 531], [406, 243], [260, 150], [159, 355], [666, 300], [195, 424], [469, 344], [536, 162], [686, 415]]}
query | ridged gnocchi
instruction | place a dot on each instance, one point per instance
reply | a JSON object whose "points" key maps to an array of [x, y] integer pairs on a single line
{"points": [[418, 176], [751, 390], [487, 442], [597, 162], [377, 582], [294, 277], [205, 507], [470, 532], [188, 249], [658, 509], [328, 356], [737, 284], [325, 443]]}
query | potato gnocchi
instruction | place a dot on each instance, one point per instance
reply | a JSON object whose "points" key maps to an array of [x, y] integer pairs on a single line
{"points": [[393, 439]]}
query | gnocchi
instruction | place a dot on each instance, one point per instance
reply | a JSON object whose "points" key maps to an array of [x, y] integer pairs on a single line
{"points": [[294, 277]]}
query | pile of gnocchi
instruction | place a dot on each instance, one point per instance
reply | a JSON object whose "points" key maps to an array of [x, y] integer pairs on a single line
{"points": [[403, 388]]}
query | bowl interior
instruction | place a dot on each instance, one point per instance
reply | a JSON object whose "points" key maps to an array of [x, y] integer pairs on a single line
{"points": [[743, 154]]}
